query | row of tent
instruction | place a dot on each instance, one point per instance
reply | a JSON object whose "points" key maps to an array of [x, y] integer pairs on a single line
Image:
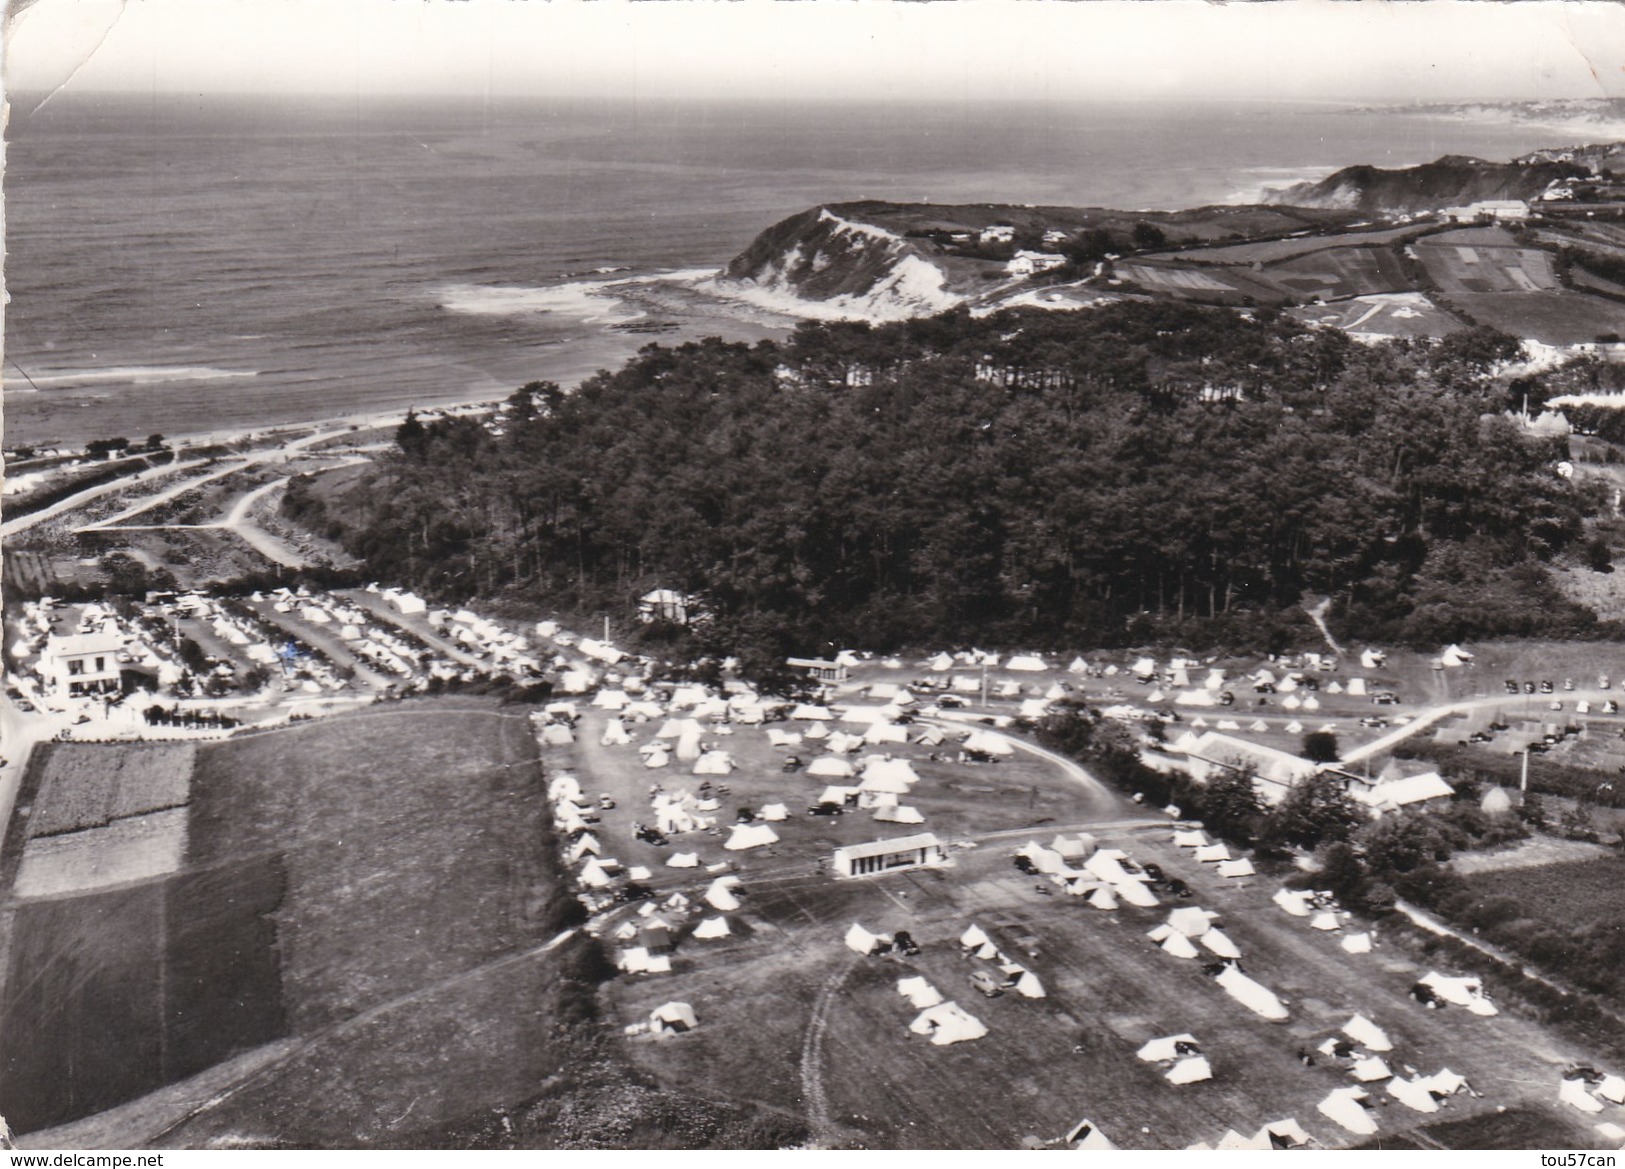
{"points": [[975, 943]]}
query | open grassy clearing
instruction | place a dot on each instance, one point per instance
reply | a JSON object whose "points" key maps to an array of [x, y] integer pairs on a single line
{"points": [[836, 1020], [410, 837], [1558, 317], [1406, 315], [1338, 273]]}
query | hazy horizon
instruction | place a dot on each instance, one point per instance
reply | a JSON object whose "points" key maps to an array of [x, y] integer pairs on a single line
{"points": [[877, 50]]}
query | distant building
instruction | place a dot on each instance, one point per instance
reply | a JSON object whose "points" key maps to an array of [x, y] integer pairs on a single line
{"points": [[84, 664], [1275, 772], [998, 233], [889, 856], [1026, 263], [820, 668], [663, 605], [1488, 211]]}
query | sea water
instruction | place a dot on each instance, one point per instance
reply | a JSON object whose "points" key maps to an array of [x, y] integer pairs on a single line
{"points": [[182, 265]]}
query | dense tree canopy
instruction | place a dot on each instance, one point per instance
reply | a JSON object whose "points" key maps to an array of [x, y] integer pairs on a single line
{"points": [[1136, 471]]}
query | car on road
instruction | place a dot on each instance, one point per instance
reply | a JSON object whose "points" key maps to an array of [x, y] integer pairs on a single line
{"points": [[826, 809], [1512, 685], [1546, 686], [1372, 720], [1528, 687], [1385, 698], [949, 702]]}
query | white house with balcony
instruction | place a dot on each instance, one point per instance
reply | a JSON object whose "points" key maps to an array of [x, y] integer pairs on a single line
{"points": [[83, 664]]}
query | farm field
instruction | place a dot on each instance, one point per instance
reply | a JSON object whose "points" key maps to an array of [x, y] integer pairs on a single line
{"points": [[332, 870], [1477, 268], [1557, 317], [1272, 251], [1591, 893], [1338, 273]]}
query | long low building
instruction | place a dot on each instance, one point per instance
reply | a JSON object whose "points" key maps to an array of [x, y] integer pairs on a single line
{"points": [[1275, 772], [888, 856]]}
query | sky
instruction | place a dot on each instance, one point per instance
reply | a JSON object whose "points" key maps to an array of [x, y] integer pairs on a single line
{"points": [[1044, 50]]}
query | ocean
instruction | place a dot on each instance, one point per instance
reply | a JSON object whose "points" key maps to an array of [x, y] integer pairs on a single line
{"points": [[182, 265]]}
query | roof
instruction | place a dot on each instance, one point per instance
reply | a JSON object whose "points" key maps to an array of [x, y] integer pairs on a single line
{"points": [[1268, 763], [887, 847], [1411, 790], [87, 643]]}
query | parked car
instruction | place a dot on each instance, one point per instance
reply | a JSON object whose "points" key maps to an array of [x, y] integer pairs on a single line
{"points": [[986, 984], [950, 702], [1385, 698], [1546, 686], [825, 809], [1528, 687], [1372, 720], [1512, 686]]}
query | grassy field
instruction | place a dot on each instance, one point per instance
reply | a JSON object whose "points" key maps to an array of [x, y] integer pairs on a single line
{"points": [[1474, 268], [1337, 273], [409, 844], [1575, 893], [1272, 251], [1412, 316], [1558, 317], [351, 883], [833, 1037], [87, 785]]}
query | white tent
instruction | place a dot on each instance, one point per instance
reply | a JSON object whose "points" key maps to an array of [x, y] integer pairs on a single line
{"points": [[942, 662], [1611, 1088], [808, 712], [1213, 853], [614, 734], [830, 766], [750, 836], [1103, 897], [1463, 992], [712, 927], [1026, 662], [879, 732], [1190, 838], [1357, 943], [719, 895], [888, 775], [1574, 1092], [1370, 1069], [920, 993], [1178, 945], [594, 876], [1190, 1071], [1325, 920], [656, 758], [1346, 1107], [989, 743], [1028, 986], [683, 860], [1086, 1136], [774, 813], [1195, 698], [1165, 1049], [611, 699], [557, 735], [1219, 942], [780, 738], [1415, 1095], [1357, 687], [673, 1017], [1236, 868], [1256, 998], [899, 815], [861, 940], [1454, 655], [1190, 921], [1294, 902], [714, 763], [1367, 1034], [947, 1023]]}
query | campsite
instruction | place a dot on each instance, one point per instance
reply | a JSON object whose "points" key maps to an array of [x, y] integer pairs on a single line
{"points": [[895, 1047]]}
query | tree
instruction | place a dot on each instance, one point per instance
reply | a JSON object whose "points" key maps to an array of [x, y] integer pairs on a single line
{"points": [[1148, 235], [1316, 811], [1320, 747], [155, 442], [1231, 805], [192, 655], [1400, 842]]}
